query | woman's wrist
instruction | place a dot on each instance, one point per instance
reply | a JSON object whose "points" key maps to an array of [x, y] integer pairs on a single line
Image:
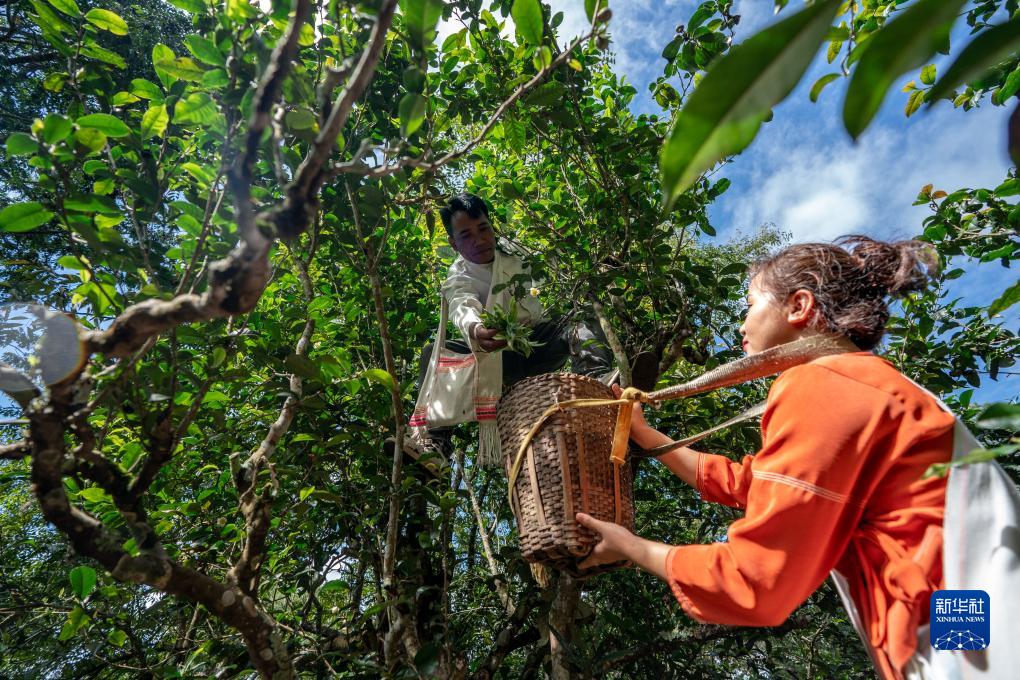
{"points": [[649, 555], [648, 438]]}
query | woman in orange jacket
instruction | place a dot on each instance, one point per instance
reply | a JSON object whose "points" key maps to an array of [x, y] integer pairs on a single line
{"points": [[838, 483]]}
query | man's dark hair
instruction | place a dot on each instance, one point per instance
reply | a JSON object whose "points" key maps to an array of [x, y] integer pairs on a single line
{"points": [[473, 205]]}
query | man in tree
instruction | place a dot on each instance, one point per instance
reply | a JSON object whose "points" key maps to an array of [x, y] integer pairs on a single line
{"points": [[482, 278]]}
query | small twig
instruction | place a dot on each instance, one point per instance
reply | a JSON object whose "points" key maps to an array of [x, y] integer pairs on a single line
{"points": [[15, 451]]}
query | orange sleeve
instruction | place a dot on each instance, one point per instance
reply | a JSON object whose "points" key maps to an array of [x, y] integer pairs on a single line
{"points": [[802, 493], [720, 480]]}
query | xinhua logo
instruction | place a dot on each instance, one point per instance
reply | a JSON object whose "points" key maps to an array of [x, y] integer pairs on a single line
{"points": [[960, 620]]}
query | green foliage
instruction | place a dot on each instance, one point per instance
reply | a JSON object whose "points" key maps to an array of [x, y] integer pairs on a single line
{"points": [[988, 49]]}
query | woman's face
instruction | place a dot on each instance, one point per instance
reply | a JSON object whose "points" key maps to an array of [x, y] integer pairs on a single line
{"points": [[768, 323]]}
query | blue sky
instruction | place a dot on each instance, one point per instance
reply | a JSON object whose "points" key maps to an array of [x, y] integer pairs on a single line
{"points": [[804, 174]]}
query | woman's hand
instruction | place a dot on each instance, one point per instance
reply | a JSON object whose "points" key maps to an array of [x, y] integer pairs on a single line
{"points": [[640, 431], [614, 542]]}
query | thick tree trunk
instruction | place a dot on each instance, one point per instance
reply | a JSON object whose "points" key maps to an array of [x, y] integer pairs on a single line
{"points": [[561, 625]]}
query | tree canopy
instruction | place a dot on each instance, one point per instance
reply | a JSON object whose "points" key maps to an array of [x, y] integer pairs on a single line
{"points": [[237, 204]]}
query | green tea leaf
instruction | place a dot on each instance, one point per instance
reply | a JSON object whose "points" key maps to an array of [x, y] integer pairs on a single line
{"points": [[205, 50], [725, 111], [68, 7], [154, 122], [54, 82], [71, 262], [83, 581], [49, 20], [914, 102], [1009, 87], [421, 17], [198, 107], [56, 128], [90, 138], [1000, 417], [412, 113], [1009, 298], [239, 10], [104, 55], [140, 87], [23, 217], [20, 144], [193, 6], [123, 99], [198, 172], [161, 54], [184, 68], [906, 42], [527, 16], [76, 619], [111, 126], [380, 377], [820, 84], [593, 7], [107, 20], [215, 78], [90, 203]]}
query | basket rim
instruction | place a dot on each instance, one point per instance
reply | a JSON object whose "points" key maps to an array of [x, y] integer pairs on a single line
{"points": [[545, 376]]}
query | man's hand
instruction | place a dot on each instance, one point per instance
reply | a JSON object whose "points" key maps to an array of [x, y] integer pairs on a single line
{"points": [[485, 338]]}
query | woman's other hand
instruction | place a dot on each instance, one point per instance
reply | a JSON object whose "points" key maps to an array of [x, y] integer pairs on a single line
{"points": [[616, 544], [613, 542]]}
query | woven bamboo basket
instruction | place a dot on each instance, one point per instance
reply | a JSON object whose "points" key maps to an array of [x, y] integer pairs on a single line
{"points": [[566, 469]]}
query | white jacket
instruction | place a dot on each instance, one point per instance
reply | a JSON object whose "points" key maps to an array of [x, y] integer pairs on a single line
{"points": [[468, 291]]}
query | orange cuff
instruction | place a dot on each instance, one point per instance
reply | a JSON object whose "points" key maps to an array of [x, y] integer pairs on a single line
{"points": [[671, 558], [710, 489]]}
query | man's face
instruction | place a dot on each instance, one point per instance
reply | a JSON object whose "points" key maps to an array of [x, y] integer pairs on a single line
{"points": [[473, 237]]}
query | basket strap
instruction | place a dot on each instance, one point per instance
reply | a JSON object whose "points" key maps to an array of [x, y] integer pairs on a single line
{"points": [[616, 492], [745, 369], [753, 412]]}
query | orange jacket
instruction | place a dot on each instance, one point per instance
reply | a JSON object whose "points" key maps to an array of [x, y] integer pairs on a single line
{"points": [[836, 485]]}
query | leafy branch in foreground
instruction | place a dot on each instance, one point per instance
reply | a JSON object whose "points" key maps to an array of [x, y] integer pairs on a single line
{"points": [[726, 109]]}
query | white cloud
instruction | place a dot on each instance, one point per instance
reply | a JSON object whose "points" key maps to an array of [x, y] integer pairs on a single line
{"points": [[804, 175]]}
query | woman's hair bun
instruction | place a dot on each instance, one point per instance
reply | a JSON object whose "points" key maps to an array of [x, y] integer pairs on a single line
{"points": [[892, 267]]}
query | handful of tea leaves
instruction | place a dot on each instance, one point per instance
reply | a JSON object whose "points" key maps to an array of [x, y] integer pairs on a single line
{"points": [[517, 335]]}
